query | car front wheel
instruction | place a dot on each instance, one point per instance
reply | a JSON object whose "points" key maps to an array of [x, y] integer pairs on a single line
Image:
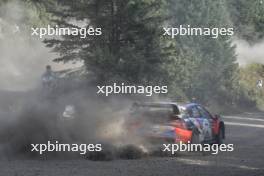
{"points": [[220, 136]]}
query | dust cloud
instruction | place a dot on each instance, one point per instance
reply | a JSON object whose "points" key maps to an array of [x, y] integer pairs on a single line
{"points": [[248, 54], [26, 115], [23, 57]]}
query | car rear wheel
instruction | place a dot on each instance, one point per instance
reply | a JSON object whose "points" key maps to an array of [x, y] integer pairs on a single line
{"points": [[195, 137]]}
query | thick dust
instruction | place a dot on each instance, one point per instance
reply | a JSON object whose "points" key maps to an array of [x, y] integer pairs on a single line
{"points": [[249, 53], [36, 119]]}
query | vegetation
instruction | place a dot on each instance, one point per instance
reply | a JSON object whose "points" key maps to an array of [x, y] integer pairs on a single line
{"points": [[248, 18], [249, 76], [132, 48]]}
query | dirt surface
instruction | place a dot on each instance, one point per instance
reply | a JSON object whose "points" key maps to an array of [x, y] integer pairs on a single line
{"points": [[245, 131]]}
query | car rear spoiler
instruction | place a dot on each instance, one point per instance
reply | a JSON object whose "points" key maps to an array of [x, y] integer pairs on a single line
{"points": [[175, 108]]}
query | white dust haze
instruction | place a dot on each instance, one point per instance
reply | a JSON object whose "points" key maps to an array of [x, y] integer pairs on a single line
{"points": [[248, 54], [23, 57]]}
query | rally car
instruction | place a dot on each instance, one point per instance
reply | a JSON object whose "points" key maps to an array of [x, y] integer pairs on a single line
{"points": [[174, 122]]}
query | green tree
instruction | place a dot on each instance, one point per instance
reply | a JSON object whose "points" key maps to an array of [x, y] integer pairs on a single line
{"points": [[130, 47], [248, 18], [210, 65]]}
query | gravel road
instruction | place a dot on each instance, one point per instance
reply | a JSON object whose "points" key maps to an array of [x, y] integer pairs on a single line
{"points": [[245, 131]]}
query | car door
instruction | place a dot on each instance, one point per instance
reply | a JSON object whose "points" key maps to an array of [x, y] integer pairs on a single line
{"points": [[195, 118], [206, 123]]}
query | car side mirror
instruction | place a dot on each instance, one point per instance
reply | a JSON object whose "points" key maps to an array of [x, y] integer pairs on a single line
{"points": [[216, 116]]}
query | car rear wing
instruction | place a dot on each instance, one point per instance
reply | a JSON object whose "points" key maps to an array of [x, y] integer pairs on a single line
{"points": [[174, 107]]}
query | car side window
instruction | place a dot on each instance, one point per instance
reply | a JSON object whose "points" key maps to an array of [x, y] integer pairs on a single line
{"points": [[209, 114], [195, 113], [203, 112], [189, 112]]}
